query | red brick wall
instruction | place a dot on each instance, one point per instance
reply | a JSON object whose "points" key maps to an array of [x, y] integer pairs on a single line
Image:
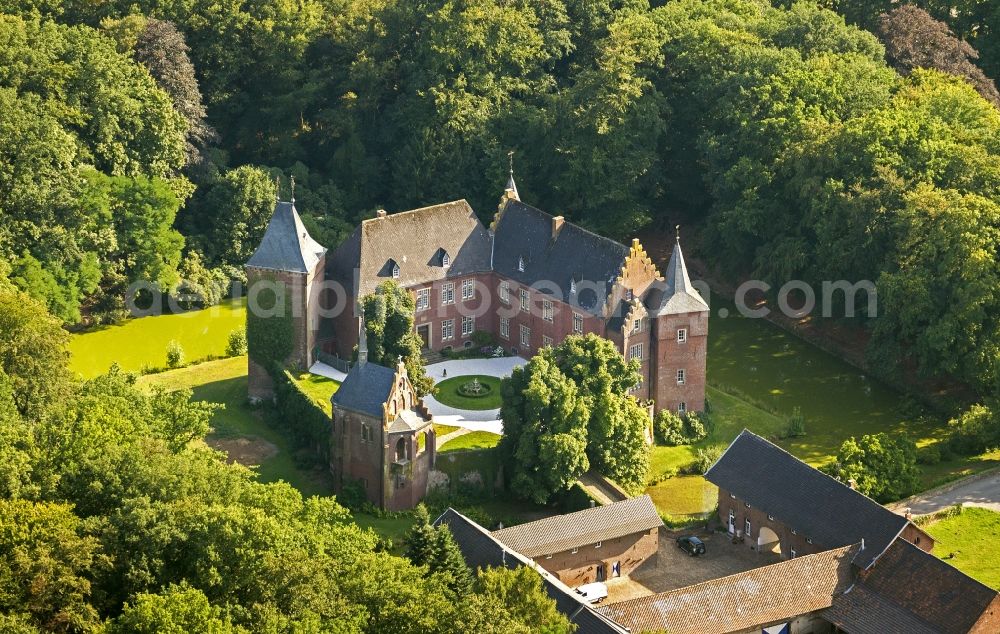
{"points": [[758, 519], [690, 356], [989, 622], [575, 569]]}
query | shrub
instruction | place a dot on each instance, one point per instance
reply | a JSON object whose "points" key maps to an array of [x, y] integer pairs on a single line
{"points": [[930, 454], [671, 430], [703, 459], [482, 339], [975, 431], [175, 354], [796, 426], [237, 343]]}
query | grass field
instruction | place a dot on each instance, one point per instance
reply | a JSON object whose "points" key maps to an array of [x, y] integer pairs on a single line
{"points": [[225, 381], [320, 388], [973, 537], [140, 343], [471, 440], [447, 393], [443, 430]]}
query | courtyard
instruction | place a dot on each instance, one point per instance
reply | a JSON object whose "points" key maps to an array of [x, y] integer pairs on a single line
{"points": [[673, 568]]}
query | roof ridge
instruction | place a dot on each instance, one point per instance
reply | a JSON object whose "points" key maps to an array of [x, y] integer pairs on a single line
{"points": [[569, 223], [593, 509], [410, 211], [940, 562]]}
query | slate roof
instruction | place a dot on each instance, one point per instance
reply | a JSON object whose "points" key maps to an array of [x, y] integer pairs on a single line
{"points": [[582, 528], [931, 590], [481, 550], [861, 611], [286, 245], [803, 498], [674, 294], [522, 231], [414, 240], [365, 389]]}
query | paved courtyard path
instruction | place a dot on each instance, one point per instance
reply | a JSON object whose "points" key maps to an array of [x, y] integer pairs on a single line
{"points": [[329, 372], [978, 490], [472, 420]]}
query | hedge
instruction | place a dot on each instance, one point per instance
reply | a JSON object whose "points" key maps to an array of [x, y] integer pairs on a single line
{"points": [[298, 413]]}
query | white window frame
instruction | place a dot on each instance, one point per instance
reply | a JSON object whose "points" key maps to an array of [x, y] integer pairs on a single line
{"points": [[546, 341], [395, 271], [505, 327], [447, 330], [572, 286], [525, 300], [793, 554], [447, 293], [520, 264], [423, 298], [575, 551], [468, 289], [547, 311], [635, 352], [682, 335], [468, 325], [525, 336], [746, 527], [681, 376], [598, 544], [445, 260], [637, 325], [682, 408], [505, 292], [577, 323]]}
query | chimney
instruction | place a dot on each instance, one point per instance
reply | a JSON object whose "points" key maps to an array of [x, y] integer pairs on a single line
{"points": [[908, 513], [853, 484], [557, 223], [380, 213]]}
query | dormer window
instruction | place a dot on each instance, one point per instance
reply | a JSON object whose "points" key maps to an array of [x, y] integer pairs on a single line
{"points": [[395, 271], [572, 285], [520, 264], [445, 259]]}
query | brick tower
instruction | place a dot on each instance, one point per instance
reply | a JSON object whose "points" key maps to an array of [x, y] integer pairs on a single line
{"points": [[291, 262], [680, 340]]}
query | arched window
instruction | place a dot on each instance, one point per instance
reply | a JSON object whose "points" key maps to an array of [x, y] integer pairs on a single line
{"points": [[400, 450]]}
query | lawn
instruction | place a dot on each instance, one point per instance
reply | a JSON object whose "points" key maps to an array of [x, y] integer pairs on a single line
{"points": [[973, 536], [319, 388], [140, 343], [447, 392], [443, 430], [471, 440], [225, 381]]}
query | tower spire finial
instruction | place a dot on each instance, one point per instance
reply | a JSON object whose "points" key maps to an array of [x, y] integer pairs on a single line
{"points": [[293, 188], [677, 228], [510, 158]]}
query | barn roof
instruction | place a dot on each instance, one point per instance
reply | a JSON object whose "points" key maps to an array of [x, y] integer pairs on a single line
{"points": [[803, 498], [582, 528], [743, 601], [286, 245]]}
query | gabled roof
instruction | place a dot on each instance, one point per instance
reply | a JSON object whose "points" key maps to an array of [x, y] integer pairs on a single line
{"points": [[739, 602], [861, 611], [415, 241], [674, 294], [931, 590], [481, 550], [574, 253], [803, 498], [365, 389], [286, 245], [582, 528]]}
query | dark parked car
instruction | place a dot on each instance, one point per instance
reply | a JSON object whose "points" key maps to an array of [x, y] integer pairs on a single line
{"points": [[691, 545]]}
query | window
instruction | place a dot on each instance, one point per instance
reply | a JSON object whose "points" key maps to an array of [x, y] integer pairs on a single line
{"points": [[770, 517], [794, 532], [746, 504], [572, 285], [366, 433], [448, 329], [445, 259], [793, 553], [467, 289], [395, 270], [505, 328], [525, 336], [548, 556], [505, 292], [636, 325], [635, 352], [732, 495], [746, 527], [598, 544], [628, 294], [809, 540], [525, 303], [448, 293], [682, 407], [468, 325], [576, 550], [682, 335], [423, 298], [520, 264], [547, 310], [637, 386], [577, 323], [546, 341], [680, 377]]}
